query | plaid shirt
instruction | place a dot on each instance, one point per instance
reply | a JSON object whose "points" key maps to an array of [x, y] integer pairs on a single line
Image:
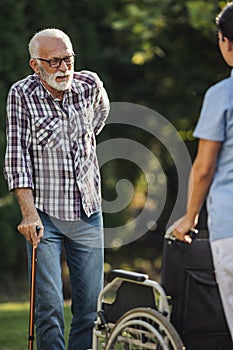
{"points": [[51, 145]]}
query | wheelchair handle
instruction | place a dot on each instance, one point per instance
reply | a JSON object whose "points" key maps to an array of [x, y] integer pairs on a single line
{"points": [[169, 233], [129, 275]]}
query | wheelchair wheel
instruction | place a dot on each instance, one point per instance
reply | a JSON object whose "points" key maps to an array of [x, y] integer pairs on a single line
{"points": [[144, 328]]}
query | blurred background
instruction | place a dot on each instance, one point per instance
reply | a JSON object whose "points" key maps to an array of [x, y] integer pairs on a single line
{"points": [[158, 54]]}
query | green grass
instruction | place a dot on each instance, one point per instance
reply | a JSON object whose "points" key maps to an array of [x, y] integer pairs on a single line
{"points": [[14, 320]]}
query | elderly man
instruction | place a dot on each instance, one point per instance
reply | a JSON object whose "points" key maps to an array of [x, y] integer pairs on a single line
{"points": [[51, 165]]}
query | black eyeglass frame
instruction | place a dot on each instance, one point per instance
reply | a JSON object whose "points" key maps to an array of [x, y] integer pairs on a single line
{"points": [[58, 60]]}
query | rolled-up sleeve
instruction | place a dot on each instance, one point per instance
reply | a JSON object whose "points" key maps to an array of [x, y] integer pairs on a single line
{"points": [[17, 167]]}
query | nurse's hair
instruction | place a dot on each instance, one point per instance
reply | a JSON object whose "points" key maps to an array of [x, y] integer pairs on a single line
{"points": [[34, 44], [224, 21]]}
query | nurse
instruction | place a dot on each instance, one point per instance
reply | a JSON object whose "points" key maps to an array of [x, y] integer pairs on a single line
{"points": [[211, 176]]}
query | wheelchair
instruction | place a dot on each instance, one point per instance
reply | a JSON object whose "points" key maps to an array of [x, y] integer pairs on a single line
{"points": [[133, 313]]}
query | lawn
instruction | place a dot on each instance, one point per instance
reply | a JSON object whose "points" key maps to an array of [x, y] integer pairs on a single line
{"points": [[14, 325]]}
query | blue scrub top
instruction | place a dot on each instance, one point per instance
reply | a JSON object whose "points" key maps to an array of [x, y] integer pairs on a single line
{"points": [[216, 124]]}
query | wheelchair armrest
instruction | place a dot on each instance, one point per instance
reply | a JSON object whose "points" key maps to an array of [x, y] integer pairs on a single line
{"points": [[124, 274]]}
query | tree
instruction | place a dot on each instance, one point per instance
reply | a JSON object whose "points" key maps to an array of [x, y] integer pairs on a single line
{"points": [[159, 54]]}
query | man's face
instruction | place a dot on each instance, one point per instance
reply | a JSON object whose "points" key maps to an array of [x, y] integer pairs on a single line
{"points": [[59, 81], [55, 77]]}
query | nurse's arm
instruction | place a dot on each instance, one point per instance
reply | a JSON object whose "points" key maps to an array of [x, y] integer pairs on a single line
{"points": [[200, 179]]}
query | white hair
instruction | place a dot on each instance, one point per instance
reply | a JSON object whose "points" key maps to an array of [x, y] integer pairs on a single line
{"points": [[34, 43]]}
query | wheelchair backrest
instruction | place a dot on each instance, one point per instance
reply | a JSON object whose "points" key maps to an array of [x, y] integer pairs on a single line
{"points": [[128, 296]]}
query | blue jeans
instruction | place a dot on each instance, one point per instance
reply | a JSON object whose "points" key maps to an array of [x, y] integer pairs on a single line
{"points": [[83, 242]]}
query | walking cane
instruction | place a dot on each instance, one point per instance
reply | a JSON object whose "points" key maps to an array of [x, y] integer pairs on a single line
{"points": [[32, 295]]}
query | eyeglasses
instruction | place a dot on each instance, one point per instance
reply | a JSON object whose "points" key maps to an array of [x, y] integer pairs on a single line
{"points": [[56, 62]]}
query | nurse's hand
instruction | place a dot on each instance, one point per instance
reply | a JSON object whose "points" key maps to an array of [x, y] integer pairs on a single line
{"points": [[182, 229]]}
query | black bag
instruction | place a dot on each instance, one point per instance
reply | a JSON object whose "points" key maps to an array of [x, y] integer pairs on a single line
{"points": [[188, 278]]}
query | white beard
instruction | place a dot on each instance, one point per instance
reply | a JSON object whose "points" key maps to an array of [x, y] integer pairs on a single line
{"points": [[51, 79]]}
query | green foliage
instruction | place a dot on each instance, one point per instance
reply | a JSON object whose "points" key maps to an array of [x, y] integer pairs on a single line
{"points": [[11, 242], [201, 15], [160, 54], [143, 22]]}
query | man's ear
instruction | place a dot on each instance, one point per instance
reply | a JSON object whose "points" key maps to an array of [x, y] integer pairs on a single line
{"points": [[33, 64]]}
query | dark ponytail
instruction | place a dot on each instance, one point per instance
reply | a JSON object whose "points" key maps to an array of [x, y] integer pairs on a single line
{"points": [[224, 21]]}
